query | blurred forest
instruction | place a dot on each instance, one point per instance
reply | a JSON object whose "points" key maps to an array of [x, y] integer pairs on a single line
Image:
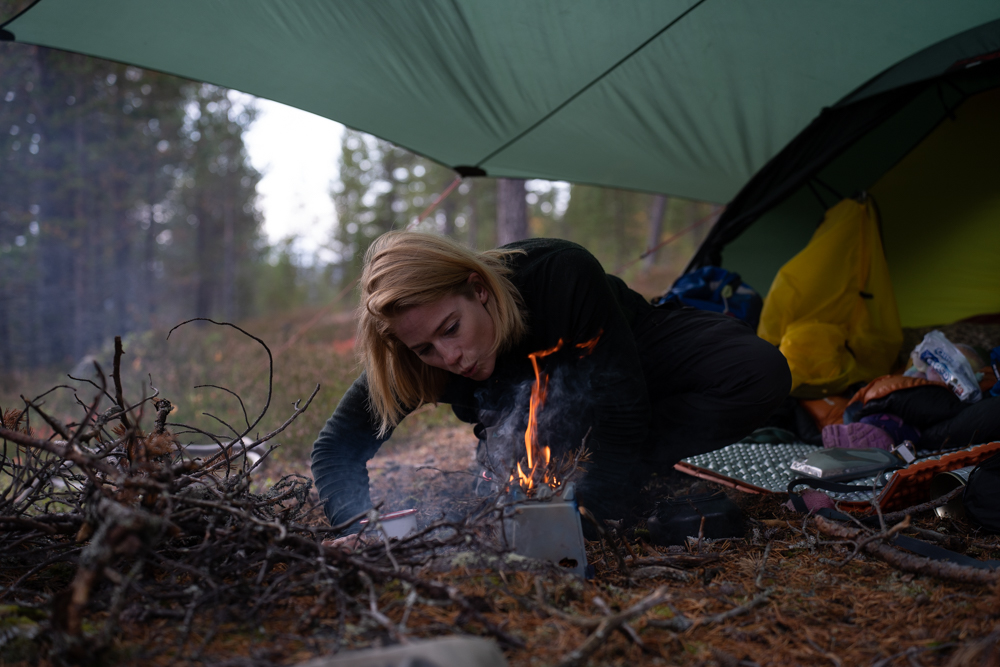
{"points": [[128, 203]]}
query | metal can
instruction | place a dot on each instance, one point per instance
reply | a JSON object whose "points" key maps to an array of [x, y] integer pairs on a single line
{"points": [[947, 482]]}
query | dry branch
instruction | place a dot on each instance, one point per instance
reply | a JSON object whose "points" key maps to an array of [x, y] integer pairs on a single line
{"points": [[627, 630], [680, 623], [909, 562], [675, 560], [180, 539], [923, 507], [610, 624]]}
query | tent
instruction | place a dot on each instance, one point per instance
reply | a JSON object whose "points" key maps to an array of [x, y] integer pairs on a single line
{"points": [[683, 97], [923, 139], [782, 106]]}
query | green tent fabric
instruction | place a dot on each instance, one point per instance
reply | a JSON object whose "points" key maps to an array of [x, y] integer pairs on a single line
{"points": [[684, 97], [927, 152], [940, 207]]}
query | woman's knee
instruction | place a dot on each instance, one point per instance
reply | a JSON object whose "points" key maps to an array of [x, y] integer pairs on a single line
{"points": [[753, 374], [774, 378]]}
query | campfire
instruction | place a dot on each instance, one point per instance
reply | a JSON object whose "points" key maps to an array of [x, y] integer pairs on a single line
{"points": [[548, 530], [540, 471]]}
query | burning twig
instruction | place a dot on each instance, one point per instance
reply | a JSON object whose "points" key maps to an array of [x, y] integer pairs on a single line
{"points": [[540, 470]]}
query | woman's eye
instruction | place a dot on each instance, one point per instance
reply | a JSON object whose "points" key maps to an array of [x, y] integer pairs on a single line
{"points": [[452, 329]]}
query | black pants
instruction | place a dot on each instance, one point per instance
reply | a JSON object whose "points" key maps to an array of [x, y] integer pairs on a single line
{"points": [[711, 381]]}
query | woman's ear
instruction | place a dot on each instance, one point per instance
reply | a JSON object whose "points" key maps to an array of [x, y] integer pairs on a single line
{"points": [[478, 288]]}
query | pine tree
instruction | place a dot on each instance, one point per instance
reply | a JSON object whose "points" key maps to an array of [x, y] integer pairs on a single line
{"points": [[383, 187], [102, 182]]}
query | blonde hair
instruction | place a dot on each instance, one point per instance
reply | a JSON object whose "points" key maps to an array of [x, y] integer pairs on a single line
{"points": [[405, 269]]}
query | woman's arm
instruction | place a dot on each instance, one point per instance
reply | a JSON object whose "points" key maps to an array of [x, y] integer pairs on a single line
{"points": [[347, 442]]}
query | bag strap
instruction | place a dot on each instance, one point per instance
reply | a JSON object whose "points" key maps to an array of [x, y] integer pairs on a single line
{"points": [[822, 484]]}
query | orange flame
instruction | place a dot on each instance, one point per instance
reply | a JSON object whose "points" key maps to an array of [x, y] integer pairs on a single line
{"points": [[539, 392]]}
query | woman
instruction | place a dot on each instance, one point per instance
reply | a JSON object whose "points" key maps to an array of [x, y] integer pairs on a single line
{"points": [[441, 323]]}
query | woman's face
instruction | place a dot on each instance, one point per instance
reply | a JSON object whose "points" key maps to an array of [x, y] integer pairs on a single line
{"points": [[455, 333]]}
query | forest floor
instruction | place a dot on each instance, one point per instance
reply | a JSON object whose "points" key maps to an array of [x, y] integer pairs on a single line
{"points": [[808, 609], [782, 595]]}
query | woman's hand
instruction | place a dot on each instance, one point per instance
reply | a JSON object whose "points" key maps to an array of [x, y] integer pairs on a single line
{"points": [[348, 543]]}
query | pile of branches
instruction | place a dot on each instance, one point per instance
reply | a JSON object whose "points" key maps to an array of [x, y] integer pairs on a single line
{"points": [[149, 532]]}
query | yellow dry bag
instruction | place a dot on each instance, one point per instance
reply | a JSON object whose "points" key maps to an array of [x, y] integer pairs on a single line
{"points": [[831, 309]]}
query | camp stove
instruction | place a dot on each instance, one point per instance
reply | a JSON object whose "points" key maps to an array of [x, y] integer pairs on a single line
{"points": [[546, 527]]}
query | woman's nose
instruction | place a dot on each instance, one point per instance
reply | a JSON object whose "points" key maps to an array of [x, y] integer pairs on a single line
{"points": [[451, 354]]}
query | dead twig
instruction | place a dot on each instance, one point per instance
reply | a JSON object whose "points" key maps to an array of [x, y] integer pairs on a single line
{"points": [[610, 624], [675, 560], [880, 536], [909, 562], [624, 628], [922, 507], [680, 623], [116, 375], [759, 581], [379, 617], [622, 566]]}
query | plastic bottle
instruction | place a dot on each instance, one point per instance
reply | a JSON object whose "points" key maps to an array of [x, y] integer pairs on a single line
{"points": [[937, 352]]}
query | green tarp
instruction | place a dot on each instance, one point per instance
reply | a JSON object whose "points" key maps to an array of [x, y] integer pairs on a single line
{"points": [[683, 97]]}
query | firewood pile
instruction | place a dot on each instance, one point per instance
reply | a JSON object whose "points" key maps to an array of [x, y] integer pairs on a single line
{"points": [[117, 547]]}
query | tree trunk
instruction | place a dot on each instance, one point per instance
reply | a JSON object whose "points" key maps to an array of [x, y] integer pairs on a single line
{"points": [[6, 303], [148, 296], [620, 226], [512, 211], [203, 254], [448, 208], [389, 222], [33, 307], [123, 286], [472, 224], [656, 210], [82, 295], [228, 262]]}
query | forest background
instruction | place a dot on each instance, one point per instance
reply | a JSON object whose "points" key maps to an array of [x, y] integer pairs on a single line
{"points": [[128, 203]]}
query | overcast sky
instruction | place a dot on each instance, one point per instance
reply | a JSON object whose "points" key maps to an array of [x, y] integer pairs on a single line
{"points": [[297, 153]]}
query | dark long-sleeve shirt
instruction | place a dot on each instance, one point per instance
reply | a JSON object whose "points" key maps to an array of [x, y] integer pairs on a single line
{"points": [[567, 296]]}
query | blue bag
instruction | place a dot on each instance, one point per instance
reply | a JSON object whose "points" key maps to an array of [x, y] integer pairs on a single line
{"points": [[995, 362], [716, 289]]}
